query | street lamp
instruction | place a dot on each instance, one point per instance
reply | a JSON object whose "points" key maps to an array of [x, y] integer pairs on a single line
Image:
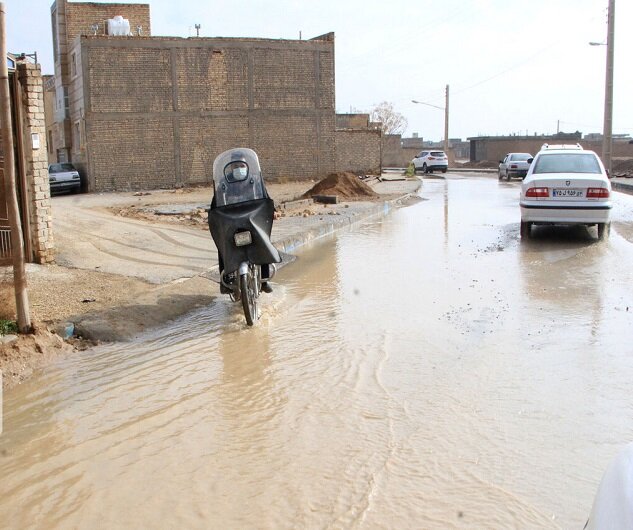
{"points": [[445, 109], [607, 131]]}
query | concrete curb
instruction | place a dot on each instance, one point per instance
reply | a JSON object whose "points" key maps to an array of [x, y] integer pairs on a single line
{"points": [[624, 187], [291, 243]]}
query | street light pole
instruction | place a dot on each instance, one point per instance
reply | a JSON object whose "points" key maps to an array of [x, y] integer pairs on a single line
{"points": [[445, 109], [607, 132]]}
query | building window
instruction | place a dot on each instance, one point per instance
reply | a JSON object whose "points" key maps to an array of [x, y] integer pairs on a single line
{"points": [[73, 60]]}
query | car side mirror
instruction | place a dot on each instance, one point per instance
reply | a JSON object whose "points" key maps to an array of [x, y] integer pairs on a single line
{"points": [[530, 160], [501, 161]]}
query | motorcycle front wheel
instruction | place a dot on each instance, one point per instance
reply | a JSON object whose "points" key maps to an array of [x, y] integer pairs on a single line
{"points": [[249, 293]]}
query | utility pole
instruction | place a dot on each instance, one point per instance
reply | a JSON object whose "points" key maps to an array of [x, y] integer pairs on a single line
{"points": [[17, 245], [446, 123], [607, 137]]}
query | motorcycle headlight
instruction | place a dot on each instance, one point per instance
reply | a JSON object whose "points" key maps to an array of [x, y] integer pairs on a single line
{"points": [[242, 238]]}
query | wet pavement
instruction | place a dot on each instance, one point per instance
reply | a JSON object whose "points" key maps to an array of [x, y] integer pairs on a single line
{"points": [[426, 369]]}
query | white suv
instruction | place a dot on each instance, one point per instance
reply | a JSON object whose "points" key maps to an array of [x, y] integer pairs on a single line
{"points": [[566, 185], [428, 160]]}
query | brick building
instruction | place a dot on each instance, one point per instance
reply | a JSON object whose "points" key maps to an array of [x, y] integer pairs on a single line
{"points": [[145, 112], [358, 144]]}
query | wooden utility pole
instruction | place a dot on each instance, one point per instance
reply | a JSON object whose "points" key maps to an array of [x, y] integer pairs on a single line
{"points": [[17, 245]]}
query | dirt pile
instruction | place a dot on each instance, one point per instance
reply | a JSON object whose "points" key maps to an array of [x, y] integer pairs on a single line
{"points": [[343, 184], [27, 353], [623, 167]]}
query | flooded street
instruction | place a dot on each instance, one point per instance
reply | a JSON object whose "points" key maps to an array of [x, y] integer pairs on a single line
{"points": [[422, 370]]}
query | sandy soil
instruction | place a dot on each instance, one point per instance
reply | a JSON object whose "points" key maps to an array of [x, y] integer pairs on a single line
{"points": [[123, 306]]}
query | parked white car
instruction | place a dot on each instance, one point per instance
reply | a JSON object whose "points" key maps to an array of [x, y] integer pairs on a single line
{"points": [[63, 177], [427, 161], [566, 185], [514, 165]]}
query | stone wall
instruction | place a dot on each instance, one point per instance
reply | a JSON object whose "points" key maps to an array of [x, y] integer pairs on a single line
{"points": [[156, 112], [358, 151]]}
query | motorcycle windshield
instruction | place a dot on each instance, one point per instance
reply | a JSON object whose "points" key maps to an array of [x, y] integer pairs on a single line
{"points": [[237, 177]]}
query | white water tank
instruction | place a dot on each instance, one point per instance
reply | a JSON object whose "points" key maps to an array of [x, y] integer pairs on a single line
{"points": [[119, 26]]}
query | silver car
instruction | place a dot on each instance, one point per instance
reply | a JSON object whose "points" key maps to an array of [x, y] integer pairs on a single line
{"points": [[63, 177], [514, 165]]}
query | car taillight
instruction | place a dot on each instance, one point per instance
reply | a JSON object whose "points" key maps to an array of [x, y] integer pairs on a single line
{"points": [[597, 193], [513, 166], [431, 158], [537, 192]]}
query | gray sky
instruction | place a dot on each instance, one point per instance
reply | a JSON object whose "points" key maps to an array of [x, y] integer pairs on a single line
{"points": [[512, 66]]}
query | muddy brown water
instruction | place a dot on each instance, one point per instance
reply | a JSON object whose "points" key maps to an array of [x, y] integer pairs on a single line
{"points": [[425, 370]]}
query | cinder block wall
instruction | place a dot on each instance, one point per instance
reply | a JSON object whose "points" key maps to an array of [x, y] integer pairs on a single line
{"points": [[358, 151], [157, 111]]}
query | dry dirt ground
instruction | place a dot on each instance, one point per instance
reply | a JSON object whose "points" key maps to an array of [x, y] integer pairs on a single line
{"points": [[58, 293]]}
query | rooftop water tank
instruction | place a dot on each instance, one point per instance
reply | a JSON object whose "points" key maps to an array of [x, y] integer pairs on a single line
{"points": [[119, 26]]}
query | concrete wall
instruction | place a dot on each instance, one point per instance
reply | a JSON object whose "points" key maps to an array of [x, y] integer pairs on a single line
{"points": [[358, 151], [157, 111]]}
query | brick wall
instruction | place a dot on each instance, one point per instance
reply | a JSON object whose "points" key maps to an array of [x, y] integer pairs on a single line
{"points": [[157, 111], [38, 202], [352, 121], [358, 151], [80, 16]]}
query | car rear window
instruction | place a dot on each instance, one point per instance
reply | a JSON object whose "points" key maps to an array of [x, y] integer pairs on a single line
{"points": [[59, 168], [567, 163], [437, 153], [519, 157]]}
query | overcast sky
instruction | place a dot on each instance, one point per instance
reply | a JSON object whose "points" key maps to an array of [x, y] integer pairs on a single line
{"points": [[512, 66]]}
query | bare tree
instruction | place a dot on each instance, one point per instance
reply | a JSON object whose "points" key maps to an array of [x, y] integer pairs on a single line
{"points": [[392, 122]]}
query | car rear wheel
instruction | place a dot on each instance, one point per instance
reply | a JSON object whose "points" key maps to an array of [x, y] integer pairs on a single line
{"points": [[526, 229], [603, 230], [444, 169]]}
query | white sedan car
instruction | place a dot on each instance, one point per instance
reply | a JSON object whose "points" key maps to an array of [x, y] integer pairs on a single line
{"points": [[566, 185]]}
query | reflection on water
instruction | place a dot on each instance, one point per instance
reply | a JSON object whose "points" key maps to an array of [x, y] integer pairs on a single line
{"points": [[421, 371]]}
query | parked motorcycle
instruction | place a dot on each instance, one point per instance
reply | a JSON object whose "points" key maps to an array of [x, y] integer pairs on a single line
{"points": [[241, 221]]}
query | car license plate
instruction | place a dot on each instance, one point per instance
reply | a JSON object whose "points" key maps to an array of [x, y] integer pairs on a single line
{"points": [[568, 193]]}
